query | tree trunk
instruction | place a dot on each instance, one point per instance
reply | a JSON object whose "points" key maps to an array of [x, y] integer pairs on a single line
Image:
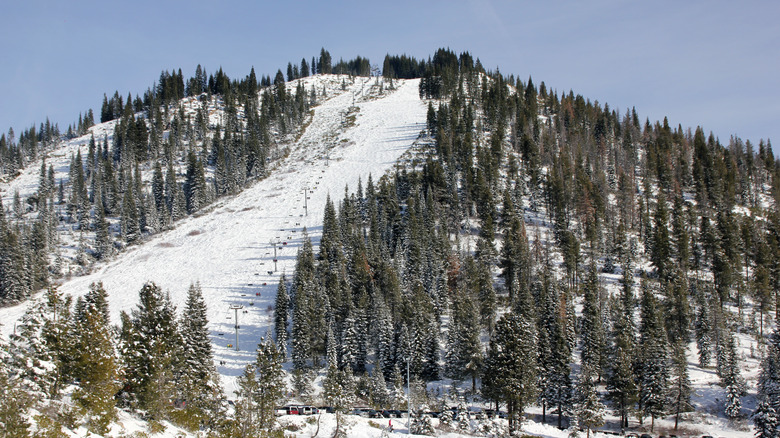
{"points": [[560, 414]]}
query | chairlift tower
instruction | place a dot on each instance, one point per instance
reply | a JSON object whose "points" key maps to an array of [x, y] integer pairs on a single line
{"points": [[305, 201], [236, 308], [274, 243]]}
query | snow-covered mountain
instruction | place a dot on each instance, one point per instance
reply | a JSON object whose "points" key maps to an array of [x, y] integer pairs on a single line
{"points": [[238, 247]]}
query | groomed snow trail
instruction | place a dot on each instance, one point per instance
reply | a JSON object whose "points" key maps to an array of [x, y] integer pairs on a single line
{"points": [[228, 250]]}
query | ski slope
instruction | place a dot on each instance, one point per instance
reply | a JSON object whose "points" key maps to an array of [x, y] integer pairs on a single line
{"points": [[229, 250]]}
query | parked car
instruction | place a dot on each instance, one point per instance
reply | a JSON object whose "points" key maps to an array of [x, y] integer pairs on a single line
{"points": [[391, 413], [292, 410], [374, 413], [307, 410], [361, 411]]}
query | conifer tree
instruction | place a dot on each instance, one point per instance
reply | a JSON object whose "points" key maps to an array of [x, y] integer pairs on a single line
{"points": [[464, 351], [511, 369], [281, 316], [680, 391], [592, 331], [103, 243], [96, 363], [151, 347], [131, 226], [308, 320], [245, 422], [621, 383], [270, 381], [589, 409], [654, 365], [661, 243], [766, 421], [197, 379], [15, 402]]}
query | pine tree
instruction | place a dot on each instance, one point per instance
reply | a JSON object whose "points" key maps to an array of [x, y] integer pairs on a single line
{"points": [[197, 381], [654, 365], [15, 402], [464, 350], [511, 369], [151, 346], [96, 365], [270, 381], [308, 319], [766, 421], [131, 226], [680, 390], [621, 383], [245, 422], [703, 329], [592, 331], [103, 243], [590, 410], [380, 397], [661, 244], [195, 192], [281, 315]]}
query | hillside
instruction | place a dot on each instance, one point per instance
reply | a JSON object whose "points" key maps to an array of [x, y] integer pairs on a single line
{"points": [[228, 250], [506, 245]]}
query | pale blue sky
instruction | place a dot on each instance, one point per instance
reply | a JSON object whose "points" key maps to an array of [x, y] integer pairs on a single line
{"points": [[708, 63]]}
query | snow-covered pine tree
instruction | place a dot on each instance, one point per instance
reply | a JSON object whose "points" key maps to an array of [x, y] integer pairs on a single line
{"points": [[150, 350], [380, 396], [766, 421], [281, 315], [703, 330], [731, 377], [769, 378], [14, 282], [245, 422], [422, 425], [589, 409], [15, 402], [103, 243], [592, 327], [654, 368], [680, 389], [270, 381], [349, 343], [621, 381], [96, 363], [511, 368], [131, 226], [464, 350], [197, 379]]}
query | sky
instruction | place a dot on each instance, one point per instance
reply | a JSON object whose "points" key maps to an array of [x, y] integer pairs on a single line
{"points": [[710, 63]]}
